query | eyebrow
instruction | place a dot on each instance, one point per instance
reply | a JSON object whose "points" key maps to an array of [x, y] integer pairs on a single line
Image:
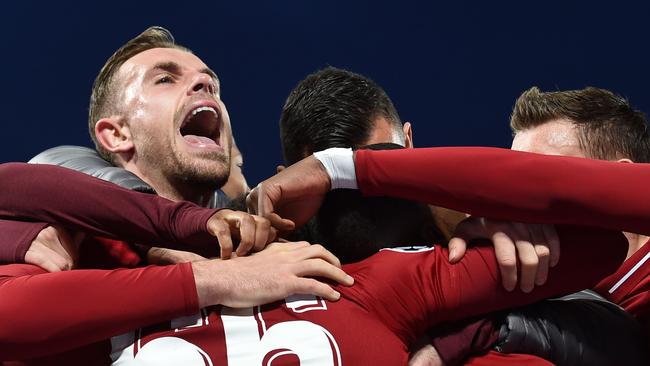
{"points": [[174, 68]]}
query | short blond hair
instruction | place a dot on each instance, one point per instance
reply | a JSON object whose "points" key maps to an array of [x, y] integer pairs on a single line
{"points": [[608, 127]]}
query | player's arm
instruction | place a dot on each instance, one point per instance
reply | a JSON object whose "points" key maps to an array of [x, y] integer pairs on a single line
{"points": [[438, 291], [486, 182], [80, 202], [511, 185], [45, 313], [16, 237]]}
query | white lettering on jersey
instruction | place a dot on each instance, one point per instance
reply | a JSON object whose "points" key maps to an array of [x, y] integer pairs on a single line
{"points": [[165, 351], [248, 340], [304, 303], [409, 249]]}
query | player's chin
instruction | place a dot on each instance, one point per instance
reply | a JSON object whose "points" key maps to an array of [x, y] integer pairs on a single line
{"points": [[211, 172]]}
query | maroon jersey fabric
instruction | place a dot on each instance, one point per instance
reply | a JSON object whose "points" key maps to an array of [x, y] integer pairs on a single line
{"points": [[396, 297], [528, 187], [405, 296], [629, 286], [53, 194], [16, 238]]}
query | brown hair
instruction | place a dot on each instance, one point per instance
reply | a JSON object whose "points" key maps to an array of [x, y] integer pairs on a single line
{"points": [[102, 99], [608, 127]]}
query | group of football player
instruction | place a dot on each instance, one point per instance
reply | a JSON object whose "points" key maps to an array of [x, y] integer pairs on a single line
{"points": [[362, 250]]}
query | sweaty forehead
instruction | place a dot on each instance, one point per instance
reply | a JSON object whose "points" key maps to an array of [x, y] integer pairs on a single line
{"points": [[555, 137], [146, 60]]}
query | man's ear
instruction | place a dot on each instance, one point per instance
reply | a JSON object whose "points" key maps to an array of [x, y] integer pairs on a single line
{"points": [[408, 135], [280, 168], [114, 135]]}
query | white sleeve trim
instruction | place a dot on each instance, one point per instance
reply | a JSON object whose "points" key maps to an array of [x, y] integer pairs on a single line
{"points": [[339, 164]]}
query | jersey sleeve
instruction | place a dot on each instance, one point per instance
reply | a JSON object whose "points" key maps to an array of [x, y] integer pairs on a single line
{"points": [[511, 185], [44, 313], [424, 289], [57, 195], [16, 238]]}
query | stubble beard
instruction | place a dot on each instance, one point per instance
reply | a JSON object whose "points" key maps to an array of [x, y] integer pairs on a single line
{"points": [[206, 172], [198, 172]]}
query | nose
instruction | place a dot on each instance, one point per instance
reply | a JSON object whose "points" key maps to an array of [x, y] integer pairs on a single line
{"points": [[202, 82]]}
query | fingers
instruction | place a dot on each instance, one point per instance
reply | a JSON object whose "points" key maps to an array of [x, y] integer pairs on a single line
{"points": [[318, 251], [263, 207], [251, 201], [246, 226], [258, 202], [320, 268], [534, 248], [53, 249], [279, 223], [553, 241], [542, 252], [66, 245], [457, 248], [264, 233], [506, 254], [46, 258], [254, 232], [467, 230], [221, 230], [58, 240], [316, 288]]}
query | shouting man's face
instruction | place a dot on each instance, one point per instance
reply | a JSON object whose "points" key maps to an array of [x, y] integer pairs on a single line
{"points": [[178, 124]]}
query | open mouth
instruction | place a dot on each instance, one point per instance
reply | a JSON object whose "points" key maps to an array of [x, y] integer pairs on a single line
{"points": [[200, 128]]}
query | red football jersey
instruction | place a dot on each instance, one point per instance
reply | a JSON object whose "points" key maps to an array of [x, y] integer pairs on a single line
{"points": [[401, 296], [396, 297], [629, 286]]}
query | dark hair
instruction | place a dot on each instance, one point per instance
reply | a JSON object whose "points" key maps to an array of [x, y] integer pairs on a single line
{"points": [[332, 108], [102, 99], [354, 227], [608, 127]]}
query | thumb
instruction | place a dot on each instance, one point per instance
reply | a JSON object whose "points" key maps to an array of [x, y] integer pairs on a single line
{"points": [[457, 247]]}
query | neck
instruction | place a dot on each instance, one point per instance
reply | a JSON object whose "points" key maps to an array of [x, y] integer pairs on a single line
{"points": [[174, 191], [636, 241]]}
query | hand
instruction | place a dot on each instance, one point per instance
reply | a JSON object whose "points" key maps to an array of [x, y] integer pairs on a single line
{"points": [[54, 249], [426, 356], [537, 246], [292, 197], [165, 256], [254, 232], [272, 274]]}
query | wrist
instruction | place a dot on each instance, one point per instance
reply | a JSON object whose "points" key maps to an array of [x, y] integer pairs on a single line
{"points": [[339, 165], [209, 289]]}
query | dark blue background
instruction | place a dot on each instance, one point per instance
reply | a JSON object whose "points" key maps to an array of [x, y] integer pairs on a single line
{"points": [[454, 70]]}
